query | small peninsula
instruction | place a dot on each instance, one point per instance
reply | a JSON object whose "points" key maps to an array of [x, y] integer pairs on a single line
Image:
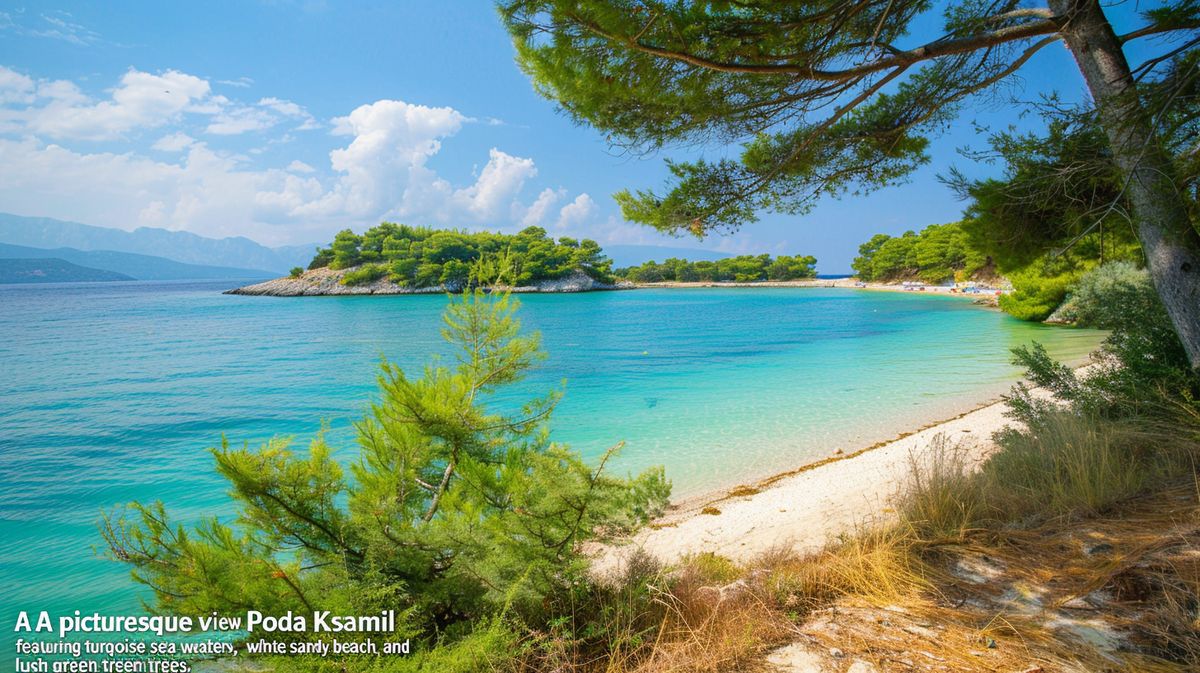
{"points": [[393, 259]]}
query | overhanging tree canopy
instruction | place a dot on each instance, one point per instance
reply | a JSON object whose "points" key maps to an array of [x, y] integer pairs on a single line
{"points": [[831, 96]]}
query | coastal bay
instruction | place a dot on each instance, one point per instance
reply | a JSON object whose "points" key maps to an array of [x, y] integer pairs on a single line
{"points": [[120, 388]]}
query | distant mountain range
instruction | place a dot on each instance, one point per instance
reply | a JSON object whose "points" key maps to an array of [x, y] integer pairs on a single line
{"points": [[52, 270], [180, 246], [131, 265], [158, 254]]}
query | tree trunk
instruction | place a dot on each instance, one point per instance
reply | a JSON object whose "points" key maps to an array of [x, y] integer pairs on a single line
{"points": [[1169, 241]]}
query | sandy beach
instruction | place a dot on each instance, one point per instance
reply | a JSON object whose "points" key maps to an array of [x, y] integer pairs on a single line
{"points": [[985, 296], [807, 506]]}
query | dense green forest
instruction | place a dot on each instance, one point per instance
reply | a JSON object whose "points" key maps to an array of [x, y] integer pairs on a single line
{"points": [[425, 257], [961, 251], [1055, 213], [941, 252], [741, 269]]}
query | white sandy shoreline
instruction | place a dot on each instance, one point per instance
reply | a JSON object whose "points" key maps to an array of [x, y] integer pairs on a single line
{"points": [[805, 507], [839, 283]]}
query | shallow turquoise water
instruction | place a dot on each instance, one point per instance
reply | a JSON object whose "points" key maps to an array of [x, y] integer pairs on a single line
{"points": [[112, 392]]}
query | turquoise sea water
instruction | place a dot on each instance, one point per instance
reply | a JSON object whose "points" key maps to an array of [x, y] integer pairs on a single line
{"points": [[112, 392]]}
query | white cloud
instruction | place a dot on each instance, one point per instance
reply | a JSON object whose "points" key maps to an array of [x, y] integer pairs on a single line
{"points": [[241, 82], [206, 192], [576, 212], [57, 25], [291, 110], [238, 120], [141, 100], [493, 193], [174, 142], [380, 170], [15, 87], [536, 213], [61, 26]]}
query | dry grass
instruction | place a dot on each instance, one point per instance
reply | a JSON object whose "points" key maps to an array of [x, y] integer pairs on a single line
{"points": [[1069, 466], [1042, 558], [1114, 593]]}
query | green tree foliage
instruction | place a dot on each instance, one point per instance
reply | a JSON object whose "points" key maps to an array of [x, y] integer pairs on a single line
{"points": [[344, 250], [741, 269], [940, 252], [825, 96], [1057, 211], [835, 96], [1141, 369], [1059, 193], [451, 512], [367, 273], [423, 257], [1037, 291]]}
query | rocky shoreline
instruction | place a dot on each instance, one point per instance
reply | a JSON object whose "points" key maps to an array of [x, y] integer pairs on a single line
{"points": [[327, 282]]}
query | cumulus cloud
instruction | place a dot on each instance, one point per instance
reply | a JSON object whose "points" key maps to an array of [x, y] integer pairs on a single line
{"points": [[576, 212], [60, 110], [15, 87], [380, 168], [140, 101], [174, 142], [537, 211], [498, 184], [383, 167]]}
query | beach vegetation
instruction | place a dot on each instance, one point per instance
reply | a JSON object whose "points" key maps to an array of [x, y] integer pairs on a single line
{"points": [[740, 269], [364, 274], [939, 253], [424, 257], [296, 272], [1125, 425], [1057, 212], [457, 512], [1037, 290]]}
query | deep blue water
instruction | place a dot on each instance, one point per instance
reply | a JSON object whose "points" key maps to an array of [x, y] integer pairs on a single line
{"points": [[113, 391]]}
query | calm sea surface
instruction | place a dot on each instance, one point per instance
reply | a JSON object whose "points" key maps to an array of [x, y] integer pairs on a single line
{"points": [[113, 392]]}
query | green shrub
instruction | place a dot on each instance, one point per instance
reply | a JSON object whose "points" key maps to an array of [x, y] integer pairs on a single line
{"points": [[455, 514], [1141, 368], [296, 272], [1110, 295], [365, 274], [1035, 295]]}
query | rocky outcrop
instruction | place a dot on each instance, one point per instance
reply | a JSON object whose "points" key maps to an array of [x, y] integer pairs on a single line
{"points": [[327, 282]]}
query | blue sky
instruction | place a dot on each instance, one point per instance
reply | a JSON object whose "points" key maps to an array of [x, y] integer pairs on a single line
{"points": [[286, 121]]}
